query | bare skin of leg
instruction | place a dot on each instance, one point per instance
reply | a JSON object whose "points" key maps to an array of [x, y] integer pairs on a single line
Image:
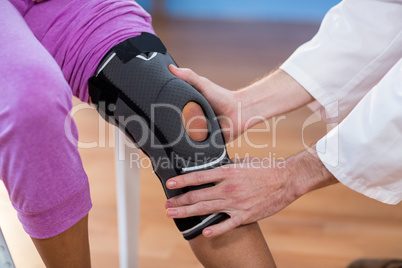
{"points": [[242, 247], [194, 121], [68, 249], [245, 246]]}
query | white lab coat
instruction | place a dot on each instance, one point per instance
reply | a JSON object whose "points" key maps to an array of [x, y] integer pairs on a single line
{"points": [[353, 68]]}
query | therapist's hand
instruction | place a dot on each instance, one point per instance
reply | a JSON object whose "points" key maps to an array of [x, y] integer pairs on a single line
{"points": [[247, 191], [223, 101], [240, 110]]}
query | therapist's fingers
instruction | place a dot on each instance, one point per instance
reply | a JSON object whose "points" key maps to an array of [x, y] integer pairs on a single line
{"points": [[189, 76], [194, 197], [199, 178], [222, 227], [207, 208], [197, 209]]}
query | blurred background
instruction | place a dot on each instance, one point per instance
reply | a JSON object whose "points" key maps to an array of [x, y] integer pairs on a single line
{"points": [[233, 43], [235, 10]]}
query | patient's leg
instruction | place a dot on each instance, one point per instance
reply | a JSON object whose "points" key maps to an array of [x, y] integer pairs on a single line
{"points": [[172, 123], [134, 89], [242, 247]]}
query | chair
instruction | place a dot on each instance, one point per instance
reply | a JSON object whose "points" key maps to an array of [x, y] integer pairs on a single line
{"points": [[5, 258], [128, 200]]}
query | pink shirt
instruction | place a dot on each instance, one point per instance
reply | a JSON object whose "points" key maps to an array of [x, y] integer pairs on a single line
{"points": [[78, 33], [39, 166]]}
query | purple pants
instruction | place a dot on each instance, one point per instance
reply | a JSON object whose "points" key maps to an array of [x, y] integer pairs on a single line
{"points": [[47, 53]]}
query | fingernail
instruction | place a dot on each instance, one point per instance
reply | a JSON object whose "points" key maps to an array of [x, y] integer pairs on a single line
{"points": [[207, 232], [176, 68], [168, 204], [171, 212], [171, 184]]}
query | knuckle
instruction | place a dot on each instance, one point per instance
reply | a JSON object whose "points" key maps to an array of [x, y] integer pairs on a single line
{"points": [[203, 80], [193, 75], [231, 171], [183, 181], [231, 224], [192, 197], [248, 215], [182, 200], [173, 202], [205, 207], [236, 221], [199, 177], [183, 212]]}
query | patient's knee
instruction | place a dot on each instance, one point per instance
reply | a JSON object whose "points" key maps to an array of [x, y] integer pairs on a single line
{"points": [[194, 121]]}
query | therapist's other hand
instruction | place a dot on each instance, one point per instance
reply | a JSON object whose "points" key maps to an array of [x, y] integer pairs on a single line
{"points": [[247, 191], [223, 101]]}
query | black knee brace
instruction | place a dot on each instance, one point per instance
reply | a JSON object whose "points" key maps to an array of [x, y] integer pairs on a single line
{"points": [[134, 89]]}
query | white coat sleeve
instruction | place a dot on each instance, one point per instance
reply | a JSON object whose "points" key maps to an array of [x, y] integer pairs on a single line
{"points": [[364, 152], [346, 67], [357, 44]]}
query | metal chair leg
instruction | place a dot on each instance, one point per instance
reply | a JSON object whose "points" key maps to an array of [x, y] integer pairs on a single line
{"points": [[5, 257], [128, 199]]}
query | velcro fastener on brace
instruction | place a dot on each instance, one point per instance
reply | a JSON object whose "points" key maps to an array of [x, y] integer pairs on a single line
{"points": [[133, 47], [102, 91]]}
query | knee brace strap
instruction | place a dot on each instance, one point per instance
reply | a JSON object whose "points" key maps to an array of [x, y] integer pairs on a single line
{"points": [[134, 89]]}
